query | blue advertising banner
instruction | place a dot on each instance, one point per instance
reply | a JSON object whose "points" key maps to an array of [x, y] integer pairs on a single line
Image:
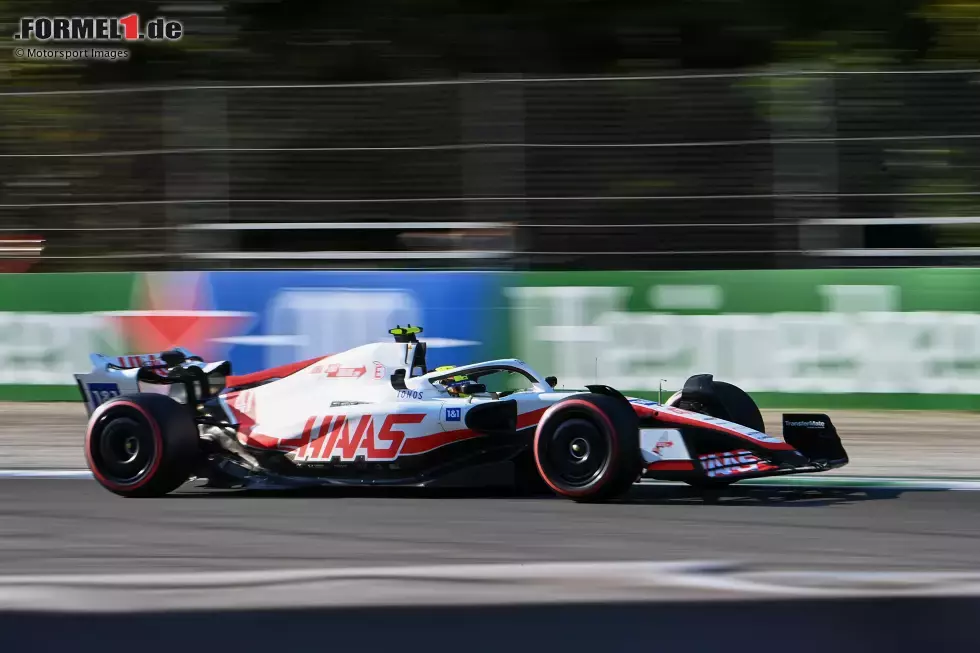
{"points": [[294, 315]]}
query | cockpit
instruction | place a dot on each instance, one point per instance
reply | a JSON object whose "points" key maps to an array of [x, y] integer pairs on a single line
{"points": [[497, 378]]}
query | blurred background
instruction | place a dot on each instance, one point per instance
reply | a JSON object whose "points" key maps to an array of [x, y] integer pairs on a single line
{"points": [[590, 134], [782, 193], [607, 155]]}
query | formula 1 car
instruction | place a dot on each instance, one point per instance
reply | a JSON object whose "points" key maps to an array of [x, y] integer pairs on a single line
{"points": [[375, 415]]}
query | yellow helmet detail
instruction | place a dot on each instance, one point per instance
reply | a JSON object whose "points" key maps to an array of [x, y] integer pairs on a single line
{"points": [[452, 379]]}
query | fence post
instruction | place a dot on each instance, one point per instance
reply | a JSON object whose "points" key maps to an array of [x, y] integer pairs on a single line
{"points": [[803, 107], [493, 113], [196, 119]]}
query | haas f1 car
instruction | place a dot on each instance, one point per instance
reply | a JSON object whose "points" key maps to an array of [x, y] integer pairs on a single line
{"points": [[376, 415]]}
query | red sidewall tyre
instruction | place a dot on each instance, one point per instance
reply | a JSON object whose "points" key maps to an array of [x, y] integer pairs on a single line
{"points": [[141, 445], [608, 461]]}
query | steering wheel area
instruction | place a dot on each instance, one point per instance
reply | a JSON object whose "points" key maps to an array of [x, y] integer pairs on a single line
{"points": [[474, 382]]}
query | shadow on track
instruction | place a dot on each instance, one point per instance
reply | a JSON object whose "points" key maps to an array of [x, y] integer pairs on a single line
{"points": [[734, 496], [757, 496]]}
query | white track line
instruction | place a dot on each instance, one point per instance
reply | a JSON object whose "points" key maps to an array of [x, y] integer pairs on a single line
{"points": [[858, 482], [474, 584], [490, 571], [868, 482], [46, 473], [871, 482]]}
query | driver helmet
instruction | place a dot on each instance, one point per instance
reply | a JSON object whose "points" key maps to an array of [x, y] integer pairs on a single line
{"points": [[455, 385]]}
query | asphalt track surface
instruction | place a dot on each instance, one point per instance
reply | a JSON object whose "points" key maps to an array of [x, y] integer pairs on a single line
{"points": [[75, 526], [880, 443]]}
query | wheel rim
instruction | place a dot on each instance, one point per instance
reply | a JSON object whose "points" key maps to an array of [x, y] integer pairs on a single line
{"points": [[124, 450], [577, 452]]}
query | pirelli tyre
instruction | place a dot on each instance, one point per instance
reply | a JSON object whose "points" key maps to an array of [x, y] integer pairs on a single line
{"points": [[587, 448], [735, 405], [738, 406], [141, 445], [719, 399]]}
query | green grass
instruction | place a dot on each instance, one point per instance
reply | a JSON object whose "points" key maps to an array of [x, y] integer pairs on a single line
{"points": [[855, 401], [771, 400]]}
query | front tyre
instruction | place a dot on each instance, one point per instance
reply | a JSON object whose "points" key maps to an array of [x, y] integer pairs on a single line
{"points": [[738, 406], [141, 445], [719, 399], [728, 402], [587, 448]]}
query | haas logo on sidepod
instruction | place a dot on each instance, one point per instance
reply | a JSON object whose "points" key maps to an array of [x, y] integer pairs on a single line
{"points": [[328, 437]]}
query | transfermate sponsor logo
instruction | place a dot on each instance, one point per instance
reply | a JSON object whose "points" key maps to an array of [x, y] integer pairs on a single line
{"points": [[812, 424]]}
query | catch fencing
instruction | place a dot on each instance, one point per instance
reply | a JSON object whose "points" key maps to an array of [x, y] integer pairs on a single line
{"points": [[727, 170]]}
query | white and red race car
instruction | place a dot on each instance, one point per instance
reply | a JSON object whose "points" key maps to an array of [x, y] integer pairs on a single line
{"points": [[375, 415]]}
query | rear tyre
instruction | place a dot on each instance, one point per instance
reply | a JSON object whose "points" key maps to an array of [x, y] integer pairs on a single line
{"points": [[142, 445], [587, 448]]}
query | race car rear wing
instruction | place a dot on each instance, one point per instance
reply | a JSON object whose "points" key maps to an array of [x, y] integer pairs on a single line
{"points": [[132, 361], [176, 373]]}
